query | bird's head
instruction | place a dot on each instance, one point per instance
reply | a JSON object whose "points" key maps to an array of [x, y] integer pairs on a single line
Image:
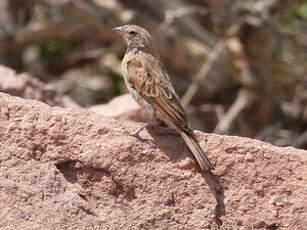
{"points": [[135, 36]]}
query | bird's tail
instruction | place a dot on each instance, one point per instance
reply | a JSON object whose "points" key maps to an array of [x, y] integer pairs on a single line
{"points": [[198, 153]]}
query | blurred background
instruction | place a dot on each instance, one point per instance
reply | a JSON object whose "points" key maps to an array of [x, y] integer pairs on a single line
{"points": [[240, 66]]}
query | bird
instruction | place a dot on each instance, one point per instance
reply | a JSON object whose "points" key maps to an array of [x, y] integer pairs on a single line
{"points": [[149, 84]]}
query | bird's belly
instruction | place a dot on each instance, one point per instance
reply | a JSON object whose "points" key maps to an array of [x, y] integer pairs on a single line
{"points": [[143, 103]]}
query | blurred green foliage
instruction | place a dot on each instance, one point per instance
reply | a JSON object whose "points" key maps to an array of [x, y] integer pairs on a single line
{"points": [[55, 48]]}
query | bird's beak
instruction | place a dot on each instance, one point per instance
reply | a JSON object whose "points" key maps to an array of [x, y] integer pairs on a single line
{"points": [[118, 29]]}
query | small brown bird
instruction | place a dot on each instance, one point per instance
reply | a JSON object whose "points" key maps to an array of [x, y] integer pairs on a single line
{"points": [[149, 84]]}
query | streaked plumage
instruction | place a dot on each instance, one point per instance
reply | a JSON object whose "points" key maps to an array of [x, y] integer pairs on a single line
{"points": [[149, 84]]}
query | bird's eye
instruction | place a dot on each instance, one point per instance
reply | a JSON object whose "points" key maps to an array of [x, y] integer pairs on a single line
{"points": [[132, 32]]}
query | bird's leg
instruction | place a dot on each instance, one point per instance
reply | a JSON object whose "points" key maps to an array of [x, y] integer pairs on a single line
{"points": [[154, 123], [136, 133]]}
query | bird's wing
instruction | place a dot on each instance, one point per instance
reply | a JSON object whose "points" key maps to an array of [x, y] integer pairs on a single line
{"points": [[149, 78]]}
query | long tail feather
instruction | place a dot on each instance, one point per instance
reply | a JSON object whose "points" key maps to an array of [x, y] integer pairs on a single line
{"points": [[198, 153]]}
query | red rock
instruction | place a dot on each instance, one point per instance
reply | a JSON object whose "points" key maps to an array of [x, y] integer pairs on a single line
{"points": [[75, 169], [26, 86], [122, 108]]}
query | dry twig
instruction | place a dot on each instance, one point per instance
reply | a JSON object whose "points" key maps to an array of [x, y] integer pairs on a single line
{"points": [[206, 67], [241, 102]]}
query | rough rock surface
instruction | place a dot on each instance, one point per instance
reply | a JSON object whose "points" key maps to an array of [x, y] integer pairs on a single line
{"points": [[25, 86], [122, 108], [75, 169]]}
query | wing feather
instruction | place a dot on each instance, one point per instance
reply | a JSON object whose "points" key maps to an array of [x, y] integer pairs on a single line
{"points": [[150, 79]]}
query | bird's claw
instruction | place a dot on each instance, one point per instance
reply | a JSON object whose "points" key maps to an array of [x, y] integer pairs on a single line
{"points": [[135, 133]]}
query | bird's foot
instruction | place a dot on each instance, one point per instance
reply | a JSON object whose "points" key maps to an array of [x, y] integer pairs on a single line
{"points": [[136, 133]]}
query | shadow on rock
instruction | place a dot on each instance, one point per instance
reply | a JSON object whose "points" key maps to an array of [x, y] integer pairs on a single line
{"points": [[169, 141]]}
